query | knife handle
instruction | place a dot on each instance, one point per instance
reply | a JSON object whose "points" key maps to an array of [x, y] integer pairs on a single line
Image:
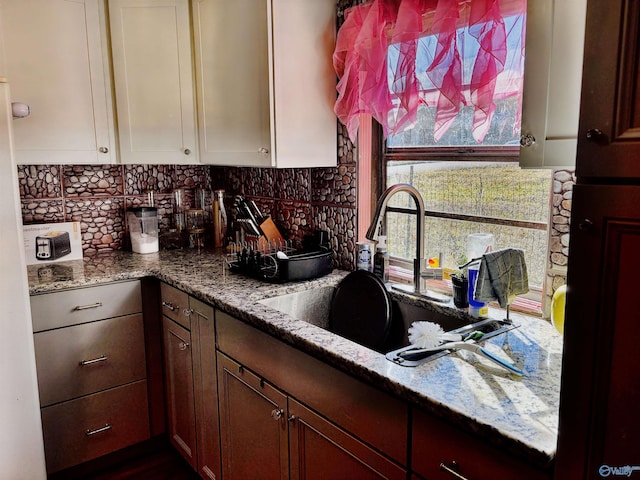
{"points": [[256, 211]]}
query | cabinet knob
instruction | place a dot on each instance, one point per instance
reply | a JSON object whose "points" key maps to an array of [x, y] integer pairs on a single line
{"points": [[527, 140], [103, 150], [263, 150], [597, 136], [187, 312], [183, 346], [277, 413], [585, 225], [187, 151]]}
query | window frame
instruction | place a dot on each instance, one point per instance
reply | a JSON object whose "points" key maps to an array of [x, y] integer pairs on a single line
{"points": [[374, 155]]}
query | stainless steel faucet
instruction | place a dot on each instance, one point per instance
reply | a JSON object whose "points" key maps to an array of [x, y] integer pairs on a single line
{"points": [[374, 228]]}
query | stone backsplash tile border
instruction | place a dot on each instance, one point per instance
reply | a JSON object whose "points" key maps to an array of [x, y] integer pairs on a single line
{"points": [[560, 222], [97, 196]]}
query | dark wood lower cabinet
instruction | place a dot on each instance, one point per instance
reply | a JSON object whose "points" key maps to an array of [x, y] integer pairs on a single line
{"points": [[190, 380], [205, 389], [179, 390], [599, 421], [319, 450], [253, 425], [268, 435]]}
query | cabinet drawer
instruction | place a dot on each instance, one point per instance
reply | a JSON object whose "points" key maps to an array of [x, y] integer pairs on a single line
{"points": [[72, 307], [83, 359], [174, 303], [91, 426], [436, 442]]}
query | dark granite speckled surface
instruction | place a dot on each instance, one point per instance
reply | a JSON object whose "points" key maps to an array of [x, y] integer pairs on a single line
{"points": [[517, 414]]}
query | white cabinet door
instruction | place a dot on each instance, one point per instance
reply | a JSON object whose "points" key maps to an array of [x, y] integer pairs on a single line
{"points": [[304, 83], [151, 48], [265, 83], [552, 79], [56, 59], [232, 73]]}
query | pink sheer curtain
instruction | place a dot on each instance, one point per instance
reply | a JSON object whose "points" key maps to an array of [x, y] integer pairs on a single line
{"points": [[392, 93]]}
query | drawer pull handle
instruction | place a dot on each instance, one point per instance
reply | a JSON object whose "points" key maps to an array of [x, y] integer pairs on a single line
{"points": [[90, 433], [170, 306], [77, 308], [183, 346], [450, 470], [101, 358]]}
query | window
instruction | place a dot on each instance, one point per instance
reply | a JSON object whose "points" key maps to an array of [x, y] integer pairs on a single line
{"points": [[460, 153], [470, 197]]}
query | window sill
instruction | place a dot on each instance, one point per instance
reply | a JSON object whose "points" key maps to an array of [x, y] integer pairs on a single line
{"points": [[520, 304]]}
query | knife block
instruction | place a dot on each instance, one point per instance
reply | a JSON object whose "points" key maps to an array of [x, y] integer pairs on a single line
{"points": [[271, 232]]}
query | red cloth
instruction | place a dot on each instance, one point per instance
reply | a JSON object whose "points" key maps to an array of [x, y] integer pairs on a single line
{"points": [[393, 93]]}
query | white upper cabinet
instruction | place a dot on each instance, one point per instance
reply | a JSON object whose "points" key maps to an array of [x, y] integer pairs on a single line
{"points": [[153, 77], [265, 82], [553, 73], [57, 63]]}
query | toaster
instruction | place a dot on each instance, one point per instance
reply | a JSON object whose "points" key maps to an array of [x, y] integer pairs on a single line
{"points": [[52, 245]]}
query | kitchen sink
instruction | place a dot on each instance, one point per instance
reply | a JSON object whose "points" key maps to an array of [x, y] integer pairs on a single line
{"points": [[314, 306]]}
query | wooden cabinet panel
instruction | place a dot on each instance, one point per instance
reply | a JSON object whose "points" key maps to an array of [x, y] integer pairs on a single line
{"points": [[91, 426], [205, 376], [64, 78], [381, 420], [266, 434], [191, 379], [314, 440], [87, 358], [434, 442], [609, 132], [253, 425], [179, 389], [72, 307], [174, 304], [599, 421], [153, 75]]}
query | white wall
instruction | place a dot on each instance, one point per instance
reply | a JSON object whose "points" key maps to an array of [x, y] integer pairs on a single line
{"points": [[21, 446]]}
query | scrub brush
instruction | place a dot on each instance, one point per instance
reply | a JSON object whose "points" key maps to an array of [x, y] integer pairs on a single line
{"points": [[428, 338], [429, 335]]}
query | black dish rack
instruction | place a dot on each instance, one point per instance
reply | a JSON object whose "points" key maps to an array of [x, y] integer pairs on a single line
{"points": [[280, 263]]}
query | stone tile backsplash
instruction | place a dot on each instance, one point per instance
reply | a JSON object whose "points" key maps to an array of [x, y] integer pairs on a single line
{"points": [[299, 200], [97, 196]]}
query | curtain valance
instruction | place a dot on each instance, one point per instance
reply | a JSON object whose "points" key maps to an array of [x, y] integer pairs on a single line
{"points": [[391, 56]]}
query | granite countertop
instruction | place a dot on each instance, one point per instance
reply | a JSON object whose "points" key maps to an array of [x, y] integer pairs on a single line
{"points": [[519, 415]]}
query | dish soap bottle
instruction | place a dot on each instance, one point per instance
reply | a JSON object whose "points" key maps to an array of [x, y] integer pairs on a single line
{"points": [[381, 260]]}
